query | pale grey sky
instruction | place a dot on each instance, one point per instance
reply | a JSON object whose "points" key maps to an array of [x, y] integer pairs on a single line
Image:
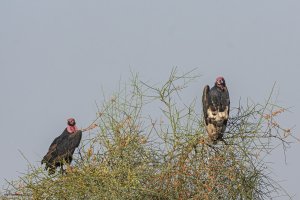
{"points": [[56, 55]]}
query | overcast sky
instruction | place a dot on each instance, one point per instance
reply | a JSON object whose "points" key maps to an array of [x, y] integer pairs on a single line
{"points": [[55, 56]]}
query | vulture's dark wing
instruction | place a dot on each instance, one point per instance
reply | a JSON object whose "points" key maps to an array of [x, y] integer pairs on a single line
{"points": [[227, 99], [69, 145], [227, 103], [205, 102], [62, 149], [52, 152]]}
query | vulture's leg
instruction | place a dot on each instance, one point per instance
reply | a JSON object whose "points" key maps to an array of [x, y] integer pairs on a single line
{"points": [[62, 171]]}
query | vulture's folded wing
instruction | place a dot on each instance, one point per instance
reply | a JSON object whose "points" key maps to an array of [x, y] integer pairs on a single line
{"points": [[74, 141], [205, 102], [54, 148]]}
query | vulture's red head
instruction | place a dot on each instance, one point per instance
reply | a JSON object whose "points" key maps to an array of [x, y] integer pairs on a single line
{"points": [[220, 82], [71, 125], [71, 122]]}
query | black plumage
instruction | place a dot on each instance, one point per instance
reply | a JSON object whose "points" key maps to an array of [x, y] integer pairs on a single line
{"points": [[216, 107], [62, 149]]}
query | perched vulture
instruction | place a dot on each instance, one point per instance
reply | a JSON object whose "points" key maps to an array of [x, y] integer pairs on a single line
{"points": [[216, 106], [62, 148]]}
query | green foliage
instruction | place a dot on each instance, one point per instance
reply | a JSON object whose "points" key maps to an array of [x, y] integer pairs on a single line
{"points": [[134, 155]]}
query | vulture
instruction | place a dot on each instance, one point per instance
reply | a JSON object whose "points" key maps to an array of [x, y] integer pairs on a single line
{"points": [[216, 106], [62, 148]]}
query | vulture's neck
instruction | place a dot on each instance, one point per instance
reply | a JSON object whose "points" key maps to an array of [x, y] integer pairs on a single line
{"points": [[71, 129]]}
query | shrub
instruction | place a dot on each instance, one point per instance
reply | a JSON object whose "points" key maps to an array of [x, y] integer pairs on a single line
{"points": [[134, 155]]}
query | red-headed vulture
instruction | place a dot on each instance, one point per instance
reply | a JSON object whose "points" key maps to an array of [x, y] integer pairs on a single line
{"points": [[216, 106], [62, 148]]}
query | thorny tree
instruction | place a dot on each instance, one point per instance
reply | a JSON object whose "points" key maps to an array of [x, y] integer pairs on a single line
{"points": [[152, 145]]}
